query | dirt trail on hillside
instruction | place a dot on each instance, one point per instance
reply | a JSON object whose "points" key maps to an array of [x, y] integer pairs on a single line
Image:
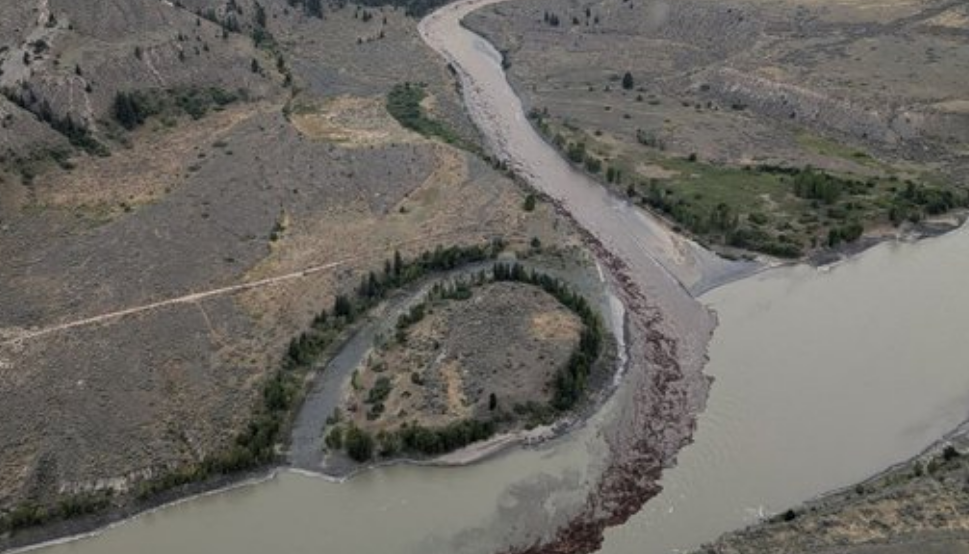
{"points": [[13, 337]]}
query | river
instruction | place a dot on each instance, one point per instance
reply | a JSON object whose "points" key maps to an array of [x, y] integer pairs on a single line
{"points": [[496, 109], [821, 378]]}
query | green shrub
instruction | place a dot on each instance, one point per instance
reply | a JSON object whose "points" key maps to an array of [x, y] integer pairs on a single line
{"points": [[404, 104], [815, 185], [359, 444], [380, 391], [132, 109], [529, 205]]}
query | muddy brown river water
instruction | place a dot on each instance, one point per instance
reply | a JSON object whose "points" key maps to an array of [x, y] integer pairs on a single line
{"points": [[822, 377]]}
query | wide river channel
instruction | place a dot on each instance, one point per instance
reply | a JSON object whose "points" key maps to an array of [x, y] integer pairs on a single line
{"points": [[822, 377]]}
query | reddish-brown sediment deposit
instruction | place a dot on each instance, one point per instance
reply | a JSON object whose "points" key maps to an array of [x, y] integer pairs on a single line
{"points": [[653, 271], [662, 392]]}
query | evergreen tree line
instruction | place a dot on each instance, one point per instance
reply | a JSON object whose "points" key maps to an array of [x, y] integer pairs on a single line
{"points": [[255, 446], [132, 109], [78, 134], [572, 380], [569, 384], [554, 286], [31, 514], [261, 36], [374, 287], [416, 438], [411, 438]]}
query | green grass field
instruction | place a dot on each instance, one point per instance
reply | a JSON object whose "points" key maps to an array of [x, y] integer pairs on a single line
{"points": [[777, 210]]}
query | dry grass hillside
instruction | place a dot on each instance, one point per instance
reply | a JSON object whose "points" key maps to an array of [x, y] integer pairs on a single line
{"points": [[302, 168], [919, 506], [694, 104]]}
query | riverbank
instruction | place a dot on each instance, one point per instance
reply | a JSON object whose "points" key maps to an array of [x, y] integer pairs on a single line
{"points": [[497, 110], [628, 276], [714, 277], [915, 506], [202, 486], [928, 228], [80, 528], [781, 373], [331, 390], [762, 399], [666, 385], [635, 97]]}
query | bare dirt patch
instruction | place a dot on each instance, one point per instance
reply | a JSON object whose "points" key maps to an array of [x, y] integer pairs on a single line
{"points": [[158, 160], [351, 122], [508, 340]]}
